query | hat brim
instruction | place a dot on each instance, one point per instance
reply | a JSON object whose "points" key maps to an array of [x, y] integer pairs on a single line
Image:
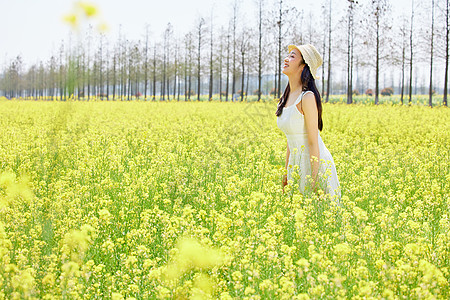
{"points": [[292, 47]]}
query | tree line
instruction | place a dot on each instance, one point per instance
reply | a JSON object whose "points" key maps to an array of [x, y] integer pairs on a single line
{"points": [[363, 44]]}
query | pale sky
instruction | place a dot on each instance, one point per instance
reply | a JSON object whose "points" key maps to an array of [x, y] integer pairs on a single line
{"points": [[34, 28]]}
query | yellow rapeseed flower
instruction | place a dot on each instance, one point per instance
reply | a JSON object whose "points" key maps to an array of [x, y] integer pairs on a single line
{"points": [[72, 20], [107, 165], [88, 8]]}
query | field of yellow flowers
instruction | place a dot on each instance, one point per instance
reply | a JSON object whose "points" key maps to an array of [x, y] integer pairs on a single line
{"points": [[183, 200]]}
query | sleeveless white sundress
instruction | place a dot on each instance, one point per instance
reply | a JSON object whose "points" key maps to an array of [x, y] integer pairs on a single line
{"points": [[292, 123]]}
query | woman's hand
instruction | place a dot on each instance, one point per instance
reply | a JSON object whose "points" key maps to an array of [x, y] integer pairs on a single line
{"points": [[284, 181], [315, 188]]}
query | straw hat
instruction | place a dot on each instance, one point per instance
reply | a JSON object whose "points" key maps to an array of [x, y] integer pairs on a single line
{"points": [[310, 55]]}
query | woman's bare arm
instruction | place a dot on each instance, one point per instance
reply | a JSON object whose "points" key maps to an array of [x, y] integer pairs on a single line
{"points": [[311, 122], [288, 152]]}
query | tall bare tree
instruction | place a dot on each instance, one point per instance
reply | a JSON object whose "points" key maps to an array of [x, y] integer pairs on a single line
{"points": [[61, 71], [114, 70], [146, 61], [244, 41], [52, 65], [187, 66], [430, 91], [175, 77], [88, 65], [350, 41], [411, 52], [107, 72], [220, 71], [190, 55], [260, 54], [324, 49], [280, 38], [154, 72], [200, 30], [167, 36], [100, 68], [233, 31], [211, 57], [136, 68], [129, 65], [380, 9], [329, 52], [404, 33], [14, 74], [447, 32], [228, 66], [186, 55]]}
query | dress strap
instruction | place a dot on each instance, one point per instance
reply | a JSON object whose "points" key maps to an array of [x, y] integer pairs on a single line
{"points": [[305, 92], [299, 98]]}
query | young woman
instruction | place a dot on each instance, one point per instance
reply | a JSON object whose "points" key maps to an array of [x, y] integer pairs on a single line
{"points": [[299, 115]]}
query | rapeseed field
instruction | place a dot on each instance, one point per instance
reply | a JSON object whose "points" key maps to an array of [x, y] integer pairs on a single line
{"points": [[183, 200]]}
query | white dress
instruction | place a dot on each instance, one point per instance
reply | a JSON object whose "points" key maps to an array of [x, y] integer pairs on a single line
{"points": [[292, 123]]}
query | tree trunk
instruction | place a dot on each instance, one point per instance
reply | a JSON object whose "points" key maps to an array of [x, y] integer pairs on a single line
{"points": [[129, 79], [199, 57], [61, 75], [88, 71], [329, 55], [198, 63], [190, 71], [323, 67], [411, 53], [430, 100], [403, 70], [377, 68], [100, 70], [168, 86], [351, 67], [220, 70], [349, 52], [136, 76], [246, 86], [211, 64], [275, 79], [146, 64], [243, 74], [260, 50], [79, 82], [228, 68], [163, 87], [107, 74], [447, 21], [185, 72], [279, 50], [122, 64], [179, 89], [176, 73], [154, 72], [114, 77], [233, 84]]}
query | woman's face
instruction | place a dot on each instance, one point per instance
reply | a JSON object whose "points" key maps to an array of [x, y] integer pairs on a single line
{"points": [[293, 63]]}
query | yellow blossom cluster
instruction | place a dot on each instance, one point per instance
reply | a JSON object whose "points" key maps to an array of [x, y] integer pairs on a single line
{"points": [[84, 10], [183, 200]]}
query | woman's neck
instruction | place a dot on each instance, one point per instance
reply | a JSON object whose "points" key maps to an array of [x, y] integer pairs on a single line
{"points": [[295, 85]]}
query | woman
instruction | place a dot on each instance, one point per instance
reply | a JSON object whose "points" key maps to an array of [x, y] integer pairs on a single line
{"points": [[299, 115]]}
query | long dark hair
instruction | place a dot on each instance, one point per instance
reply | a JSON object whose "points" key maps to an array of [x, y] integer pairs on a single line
{"points": [[308, 85]]}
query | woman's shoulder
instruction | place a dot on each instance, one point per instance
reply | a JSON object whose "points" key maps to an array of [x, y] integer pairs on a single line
{"points": [[308, 94], [309, 101]]}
